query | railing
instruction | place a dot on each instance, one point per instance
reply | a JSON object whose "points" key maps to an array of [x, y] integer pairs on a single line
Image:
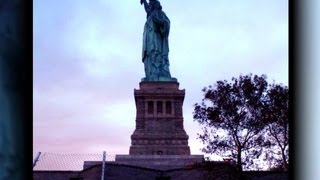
{"points": [[47, 161]]}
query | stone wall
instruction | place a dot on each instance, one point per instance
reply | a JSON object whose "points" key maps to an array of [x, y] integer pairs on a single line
{"points": [[160, 162], [55, 175], [113, 171]]}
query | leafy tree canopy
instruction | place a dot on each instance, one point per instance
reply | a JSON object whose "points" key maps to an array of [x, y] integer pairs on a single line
{"points": [[277, 126], [233, 116]]}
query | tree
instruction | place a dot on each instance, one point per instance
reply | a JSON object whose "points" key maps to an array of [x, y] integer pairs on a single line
{"points": [[230, 114], [277, 126]]}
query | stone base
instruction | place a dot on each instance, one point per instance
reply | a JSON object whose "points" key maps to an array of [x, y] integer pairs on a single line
{"points": [[160, 162], [159, 150], [161, 79], [159, 120]]}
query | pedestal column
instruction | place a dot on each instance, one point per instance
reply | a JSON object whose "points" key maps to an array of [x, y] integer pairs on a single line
{"points": [[159, 120]]}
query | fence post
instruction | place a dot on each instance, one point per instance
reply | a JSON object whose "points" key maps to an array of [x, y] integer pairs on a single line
{"points": [[103, 164], [36, 159]]}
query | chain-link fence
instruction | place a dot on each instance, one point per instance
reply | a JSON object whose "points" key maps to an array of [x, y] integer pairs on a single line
{"points": [[46, 161]]}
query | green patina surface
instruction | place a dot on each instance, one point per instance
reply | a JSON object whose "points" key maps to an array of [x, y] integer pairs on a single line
{"points": [[156, 47]]}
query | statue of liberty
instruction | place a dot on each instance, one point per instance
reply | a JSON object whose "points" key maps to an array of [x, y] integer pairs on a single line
{"points": [[155, 48]]}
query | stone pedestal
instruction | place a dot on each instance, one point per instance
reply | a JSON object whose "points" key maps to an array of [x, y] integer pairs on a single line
{"points": [[160, 162], [159, 120], [159, 140]]}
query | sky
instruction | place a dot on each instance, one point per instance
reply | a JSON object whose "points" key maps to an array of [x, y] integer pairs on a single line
{"points": [[87, 63]]}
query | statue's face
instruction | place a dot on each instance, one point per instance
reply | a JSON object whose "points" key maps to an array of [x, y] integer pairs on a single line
{"points": [[154, 4]]}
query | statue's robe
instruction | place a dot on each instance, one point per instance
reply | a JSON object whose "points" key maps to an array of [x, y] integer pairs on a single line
{"points": [[156, 47]]}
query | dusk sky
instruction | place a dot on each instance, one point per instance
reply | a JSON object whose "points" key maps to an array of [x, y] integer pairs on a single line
{"points": [[87, 62]]}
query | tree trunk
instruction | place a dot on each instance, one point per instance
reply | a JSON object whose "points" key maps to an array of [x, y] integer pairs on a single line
{"points": [[284, 159], [239, 162]]}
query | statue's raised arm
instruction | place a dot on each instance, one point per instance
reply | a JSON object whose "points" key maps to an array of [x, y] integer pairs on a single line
{"points": [[146, 5]]}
